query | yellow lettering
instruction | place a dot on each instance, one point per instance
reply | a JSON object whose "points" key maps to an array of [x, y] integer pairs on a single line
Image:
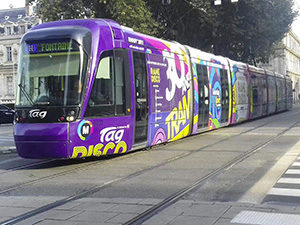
{"points": [[155, 79], [97, 150], [179, 116], [48, 47], [182, 115], [90, 152], [121, 144], [54, 46], [155, 75], [43, 47], [79, 150], [186, 104], [155, 71], [110, 145], [171, 122]]}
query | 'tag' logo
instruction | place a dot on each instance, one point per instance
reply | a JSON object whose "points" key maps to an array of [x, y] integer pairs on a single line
{"points": [[36, 113]]}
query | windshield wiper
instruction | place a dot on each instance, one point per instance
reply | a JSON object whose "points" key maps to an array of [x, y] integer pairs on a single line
{"points": [[26, 94]]}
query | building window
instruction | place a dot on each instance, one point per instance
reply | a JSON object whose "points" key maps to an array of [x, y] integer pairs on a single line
{"points": [[22, 29], [10, 86], [9, 56], [15, 29], [8, 30]]}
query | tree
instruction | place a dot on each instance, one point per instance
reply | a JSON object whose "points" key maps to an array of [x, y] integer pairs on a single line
{"points": [[185, 21], [133, 13], [244, 31], [251, 28]]}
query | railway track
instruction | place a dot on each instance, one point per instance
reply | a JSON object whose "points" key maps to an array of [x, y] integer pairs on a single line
{"points": [[165, 203], [94, 161]]}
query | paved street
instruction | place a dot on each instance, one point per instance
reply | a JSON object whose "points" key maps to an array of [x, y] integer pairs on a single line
{"points": [[6, 138], [244, 174]]}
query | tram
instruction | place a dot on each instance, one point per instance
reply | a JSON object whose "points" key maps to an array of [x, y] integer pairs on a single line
{"points": [[92, 87]]}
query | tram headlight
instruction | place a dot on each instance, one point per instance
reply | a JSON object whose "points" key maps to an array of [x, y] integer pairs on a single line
{"points": [[69, 115], [70, 118]]}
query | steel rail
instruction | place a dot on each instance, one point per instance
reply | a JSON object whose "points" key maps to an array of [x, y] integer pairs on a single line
{"points": [[152, 211], [178, 195]]}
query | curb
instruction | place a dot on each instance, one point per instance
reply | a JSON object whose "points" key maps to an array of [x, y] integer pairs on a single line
{"points": [[7, 150]]}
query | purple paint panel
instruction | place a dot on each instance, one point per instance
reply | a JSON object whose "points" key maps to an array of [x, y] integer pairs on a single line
{"points": [[42, 140]]}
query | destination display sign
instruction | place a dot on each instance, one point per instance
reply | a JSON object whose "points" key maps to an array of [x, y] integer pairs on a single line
{"points": [[51, 46]]}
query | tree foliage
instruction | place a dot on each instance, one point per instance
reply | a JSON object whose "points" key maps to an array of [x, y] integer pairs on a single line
{"points": [[133, 13], [252, 29], [244, 31]]}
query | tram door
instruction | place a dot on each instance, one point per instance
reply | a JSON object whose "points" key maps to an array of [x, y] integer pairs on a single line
{"points": [[141, 97], [203, 96]]}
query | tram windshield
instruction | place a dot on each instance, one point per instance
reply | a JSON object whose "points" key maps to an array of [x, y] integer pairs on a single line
{"points": [[51, 73]]}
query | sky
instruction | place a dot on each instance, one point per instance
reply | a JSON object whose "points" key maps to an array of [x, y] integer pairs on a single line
{"points": [[296, 24], [21, 3], [16, 3]]}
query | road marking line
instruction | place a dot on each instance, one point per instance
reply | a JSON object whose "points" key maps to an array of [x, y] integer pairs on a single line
{"points": [[257, 193], [285, 192], [264, 218], [289, 181], [296, 164], [292, 171]]}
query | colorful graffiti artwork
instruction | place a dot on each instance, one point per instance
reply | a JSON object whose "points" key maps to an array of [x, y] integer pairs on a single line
{"points": [[196, 99], [179, 118], [171, 99], [234, 94], [215, 96]]}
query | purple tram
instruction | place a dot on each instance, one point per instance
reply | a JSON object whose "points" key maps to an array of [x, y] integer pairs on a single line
{"points": [[93, 87]]}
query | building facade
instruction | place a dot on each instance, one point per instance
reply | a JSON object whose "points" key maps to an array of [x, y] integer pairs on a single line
{"points": [[286, 60], [13, 24]]}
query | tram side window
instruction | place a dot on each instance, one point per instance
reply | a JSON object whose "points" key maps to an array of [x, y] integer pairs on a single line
{"points": [[225, 95], [120, 84], [202, 84], [108, 97], [254, 89], [264, 90], [203, 95]]}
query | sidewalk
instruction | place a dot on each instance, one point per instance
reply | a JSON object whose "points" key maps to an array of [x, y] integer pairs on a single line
{"points": [[112, 211], [7, 144], [217, 213], [7, 149]]}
